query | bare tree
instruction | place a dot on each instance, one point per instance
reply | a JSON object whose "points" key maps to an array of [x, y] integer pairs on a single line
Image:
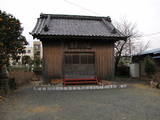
{"points": [[143, 46], [125, 47]]}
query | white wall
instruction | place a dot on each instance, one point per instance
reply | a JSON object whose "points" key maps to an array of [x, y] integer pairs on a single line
{"points": [[134, 70]]}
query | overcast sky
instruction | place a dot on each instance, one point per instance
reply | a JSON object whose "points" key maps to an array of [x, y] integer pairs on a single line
{"points": [[145, 13]]}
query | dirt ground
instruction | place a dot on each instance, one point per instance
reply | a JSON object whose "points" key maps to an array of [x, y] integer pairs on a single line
{"points": [[136, 102]]}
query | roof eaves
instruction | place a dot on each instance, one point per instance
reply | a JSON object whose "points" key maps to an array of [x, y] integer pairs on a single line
{"points": [[80, 36]]}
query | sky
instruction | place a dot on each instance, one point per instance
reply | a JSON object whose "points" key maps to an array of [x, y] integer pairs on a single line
{"points": [[144, 13]]}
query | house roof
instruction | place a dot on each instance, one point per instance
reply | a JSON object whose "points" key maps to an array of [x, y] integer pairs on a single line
{"points": [[74, 25], [156, 57], [152, 51]]}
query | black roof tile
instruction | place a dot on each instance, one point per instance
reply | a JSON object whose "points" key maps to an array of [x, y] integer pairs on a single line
{"points": [[74, 25]]}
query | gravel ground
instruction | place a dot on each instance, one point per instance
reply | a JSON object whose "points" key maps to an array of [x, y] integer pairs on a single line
{"points": [[137, 102]]}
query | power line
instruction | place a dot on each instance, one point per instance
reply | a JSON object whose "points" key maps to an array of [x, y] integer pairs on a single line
{"points": [[82, 7], [151, 34], [77, 5]]}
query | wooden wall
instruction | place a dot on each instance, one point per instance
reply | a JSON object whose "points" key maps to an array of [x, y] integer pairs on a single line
{"points": [[53, 58], [105, 60]]}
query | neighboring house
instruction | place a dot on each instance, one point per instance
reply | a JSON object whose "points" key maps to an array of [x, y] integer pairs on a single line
{"points": [[28, 52], [35, 51], [77, 45], [139, 59]]}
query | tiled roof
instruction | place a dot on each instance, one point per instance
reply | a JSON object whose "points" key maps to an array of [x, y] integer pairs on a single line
{"points": [[73, 25]]}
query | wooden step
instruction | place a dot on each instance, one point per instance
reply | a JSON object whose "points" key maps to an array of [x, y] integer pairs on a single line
{"points": [[80, 81]]}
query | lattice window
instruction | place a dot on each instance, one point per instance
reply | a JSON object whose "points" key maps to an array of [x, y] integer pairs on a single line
{"points": [[75, 59], [91, 59], [68, 59], [82, 58]]}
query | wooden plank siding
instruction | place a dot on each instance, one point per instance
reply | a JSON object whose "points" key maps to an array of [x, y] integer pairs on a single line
{"points": [[53, 54], [105, 60], [53, 60]]}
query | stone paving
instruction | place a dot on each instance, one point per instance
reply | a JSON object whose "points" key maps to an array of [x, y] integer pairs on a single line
{"points": [[84, 87]]}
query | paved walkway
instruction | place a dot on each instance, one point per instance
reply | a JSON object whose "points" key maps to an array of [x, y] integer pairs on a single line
{"points": [[136, 102]]}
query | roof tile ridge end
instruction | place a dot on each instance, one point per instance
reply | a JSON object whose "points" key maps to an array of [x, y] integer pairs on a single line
{"points": [[46, 23], [108, 24]]}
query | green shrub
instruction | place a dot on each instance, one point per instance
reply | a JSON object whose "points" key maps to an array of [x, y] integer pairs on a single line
{"points": [[37, 70], [150, 66], [123, 70]]}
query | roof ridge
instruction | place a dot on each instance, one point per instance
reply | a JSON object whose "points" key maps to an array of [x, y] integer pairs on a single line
{"points": [[75, 17]]}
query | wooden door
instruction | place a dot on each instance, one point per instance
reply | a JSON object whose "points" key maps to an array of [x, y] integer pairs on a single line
{"points": [[79, 64]]}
